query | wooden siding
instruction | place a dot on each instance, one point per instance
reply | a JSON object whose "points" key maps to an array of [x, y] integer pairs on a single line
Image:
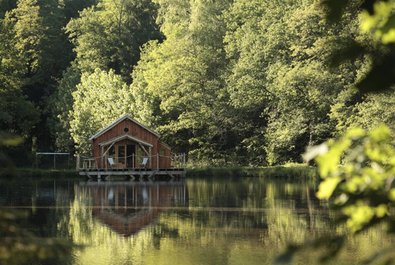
{"points": [[164, 158], [138, 132]]}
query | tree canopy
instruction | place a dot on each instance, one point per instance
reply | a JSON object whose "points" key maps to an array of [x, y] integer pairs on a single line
{"points": [[245, 82]]}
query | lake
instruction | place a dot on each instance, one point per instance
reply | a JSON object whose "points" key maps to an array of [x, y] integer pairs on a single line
{"points": [[216, 221]]}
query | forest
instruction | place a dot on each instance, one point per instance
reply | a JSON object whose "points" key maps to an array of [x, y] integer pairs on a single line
{"points": [[242, 83], [225, 81]]}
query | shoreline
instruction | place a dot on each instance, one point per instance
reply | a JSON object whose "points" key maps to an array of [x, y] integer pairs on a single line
{"points": [[281, 171]]}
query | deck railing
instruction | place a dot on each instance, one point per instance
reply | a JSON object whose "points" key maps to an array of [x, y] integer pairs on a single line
{"points": [[131, 162]]}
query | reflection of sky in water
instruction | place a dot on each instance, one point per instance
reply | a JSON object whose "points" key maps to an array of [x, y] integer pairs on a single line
{"points": [[110, 194], [145, 194], [200, 221]]}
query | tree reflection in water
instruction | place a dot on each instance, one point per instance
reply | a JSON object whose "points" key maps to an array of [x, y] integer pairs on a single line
{"points": [[201, 221]]}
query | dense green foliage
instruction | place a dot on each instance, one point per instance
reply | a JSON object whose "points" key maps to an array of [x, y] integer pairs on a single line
{"points": [[181, 79], [272, 92], [228, 82], [363, 187], [109, 34], [34, 51], [99, 99], [358, 169]]}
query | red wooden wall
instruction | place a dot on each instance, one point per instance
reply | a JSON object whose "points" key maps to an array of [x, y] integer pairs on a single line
{"points": [[139, 132]]}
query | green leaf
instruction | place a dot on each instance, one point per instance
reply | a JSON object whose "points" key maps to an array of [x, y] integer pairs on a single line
{"points": [[381, 133], [327, 187], [391, 194]]}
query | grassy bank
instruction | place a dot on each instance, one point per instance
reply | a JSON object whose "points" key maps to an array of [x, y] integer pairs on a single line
{"points": [[293, 171], [285, 171], [39, 173]]}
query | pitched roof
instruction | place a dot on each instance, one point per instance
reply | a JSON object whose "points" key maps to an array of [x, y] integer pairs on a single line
{"points": [[112, 125]]}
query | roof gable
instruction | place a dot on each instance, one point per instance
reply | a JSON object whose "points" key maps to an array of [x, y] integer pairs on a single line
{"points": [[121, 119], [122, 137]]}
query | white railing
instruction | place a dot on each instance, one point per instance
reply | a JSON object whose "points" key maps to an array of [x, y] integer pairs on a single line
{"points": [[133, 161]]}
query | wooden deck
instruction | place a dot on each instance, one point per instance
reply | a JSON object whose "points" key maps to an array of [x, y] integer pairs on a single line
{"points": [[133, 173]]}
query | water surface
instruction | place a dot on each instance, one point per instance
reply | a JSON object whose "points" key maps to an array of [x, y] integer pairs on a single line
{"points": [[217, 221]]}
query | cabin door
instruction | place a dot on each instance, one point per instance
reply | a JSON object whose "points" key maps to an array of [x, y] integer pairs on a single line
{"points": [[121, 154], [130, 155]]}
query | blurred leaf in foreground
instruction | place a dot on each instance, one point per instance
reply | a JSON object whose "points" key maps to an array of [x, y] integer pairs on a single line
{"points": [[357, 172]]}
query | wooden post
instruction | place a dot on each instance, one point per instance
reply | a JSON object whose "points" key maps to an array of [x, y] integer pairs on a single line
{"points": [[157, 161], [116, 198], [54, 161], [183, 160], [150, 157], [125, 198], [102, 158], [77, 166]]}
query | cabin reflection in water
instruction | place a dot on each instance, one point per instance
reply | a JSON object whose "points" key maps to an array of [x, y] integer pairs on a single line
{"points": [[127, 207]]}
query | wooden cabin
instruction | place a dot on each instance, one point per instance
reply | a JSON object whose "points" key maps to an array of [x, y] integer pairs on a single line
{"points": [[128, 144]]}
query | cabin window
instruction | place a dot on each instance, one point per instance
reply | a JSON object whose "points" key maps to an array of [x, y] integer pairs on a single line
{"points": [[121, 154], [111, 152], [126, 129]]}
